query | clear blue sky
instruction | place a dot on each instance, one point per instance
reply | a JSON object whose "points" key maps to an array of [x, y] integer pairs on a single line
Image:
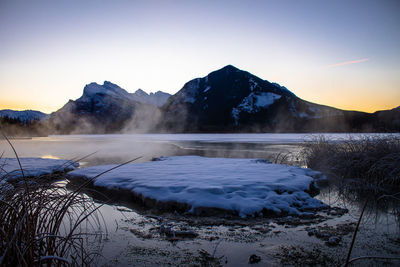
{"points": [[339, 53]]}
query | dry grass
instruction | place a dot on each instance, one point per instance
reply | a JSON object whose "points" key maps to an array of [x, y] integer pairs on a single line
{"points": [[374, 160], [43, 223], [368, 170]]}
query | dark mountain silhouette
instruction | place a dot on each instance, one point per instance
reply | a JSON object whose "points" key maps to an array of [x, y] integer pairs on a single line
{"points": [[226, 100], [386, 120], [232, 100]]}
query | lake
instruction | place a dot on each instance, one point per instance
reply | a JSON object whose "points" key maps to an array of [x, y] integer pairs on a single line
{"points": [[118, 148], [131, 236]]}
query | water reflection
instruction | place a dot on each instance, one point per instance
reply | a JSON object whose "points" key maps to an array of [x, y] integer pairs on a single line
{"points": [[49, 157], [115, 149], [382, 211]]}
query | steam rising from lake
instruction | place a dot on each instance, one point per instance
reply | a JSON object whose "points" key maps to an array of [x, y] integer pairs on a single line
{"points": [[118, 148]]}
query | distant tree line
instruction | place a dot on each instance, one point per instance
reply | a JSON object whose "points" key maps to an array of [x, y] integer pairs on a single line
{"points": [[15, 127]]}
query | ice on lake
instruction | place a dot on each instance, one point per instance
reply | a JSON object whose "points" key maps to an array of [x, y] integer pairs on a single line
{"points": [[244, 186], [31, 167]]}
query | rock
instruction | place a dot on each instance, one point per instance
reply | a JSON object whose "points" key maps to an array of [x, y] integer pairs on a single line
{"points": [[333, 241], [169, 232], [336, 211], [322, 235], [254, 259]]}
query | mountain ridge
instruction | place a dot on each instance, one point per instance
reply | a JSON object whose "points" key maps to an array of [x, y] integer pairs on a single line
{"points": [[231, 99], [225, 100], [94, 89], [107, 108]]}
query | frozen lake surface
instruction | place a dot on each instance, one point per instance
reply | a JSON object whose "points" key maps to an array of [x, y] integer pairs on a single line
{"points": [[118, 148]]}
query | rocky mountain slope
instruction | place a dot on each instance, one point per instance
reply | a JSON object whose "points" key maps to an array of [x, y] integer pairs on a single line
{"points": [[230, 99], [108, 108]]}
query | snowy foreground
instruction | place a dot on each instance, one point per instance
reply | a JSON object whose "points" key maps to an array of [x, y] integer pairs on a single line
{"points": [[245, 186], [10, 169]]}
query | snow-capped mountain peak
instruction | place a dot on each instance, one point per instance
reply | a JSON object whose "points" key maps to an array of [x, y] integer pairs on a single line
{"points": [[230, 98], [95, 91], [157, 99], [107, 89], [140, 93]]}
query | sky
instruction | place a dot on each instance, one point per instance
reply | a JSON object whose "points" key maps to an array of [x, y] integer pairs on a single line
{"points": [[342, 53]]}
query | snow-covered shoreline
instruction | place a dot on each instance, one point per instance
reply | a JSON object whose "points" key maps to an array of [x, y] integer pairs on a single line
{"points": [[243, 186], [32, 167]]}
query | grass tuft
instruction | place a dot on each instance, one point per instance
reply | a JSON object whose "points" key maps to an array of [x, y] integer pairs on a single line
{"points": [[43, 223], [373, 159]]}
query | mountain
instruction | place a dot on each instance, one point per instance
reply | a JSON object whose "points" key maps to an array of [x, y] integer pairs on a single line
{"points": [[157, 99], [226, 100], [25, 116], [230, 99], [387, 120], [107, 108]]}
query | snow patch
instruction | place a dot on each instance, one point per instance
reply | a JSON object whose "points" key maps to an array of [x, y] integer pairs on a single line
{"points": [[190, 91], [93, 90], [245, 186], [303, 115], [253, 103], [9, 167], [207, 89], [253, 84], [266, 99], [235, 115]]}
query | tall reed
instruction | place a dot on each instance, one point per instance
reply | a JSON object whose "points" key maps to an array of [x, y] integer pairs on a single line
{"points": [[43, 223]]}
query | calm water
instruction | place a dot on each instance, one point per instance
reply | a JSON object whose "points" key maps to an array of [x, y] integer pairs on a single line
{"points": [[118, 148]]}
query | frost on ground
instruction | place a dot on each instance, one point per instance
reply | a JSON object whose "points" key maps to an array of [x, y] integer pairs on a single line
{"points": [[10, 169], [243, 186]]}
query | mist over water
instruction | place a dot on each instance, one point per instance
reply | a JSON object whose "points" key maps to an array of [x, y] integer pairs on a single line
{"points": [[118, 148]]}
